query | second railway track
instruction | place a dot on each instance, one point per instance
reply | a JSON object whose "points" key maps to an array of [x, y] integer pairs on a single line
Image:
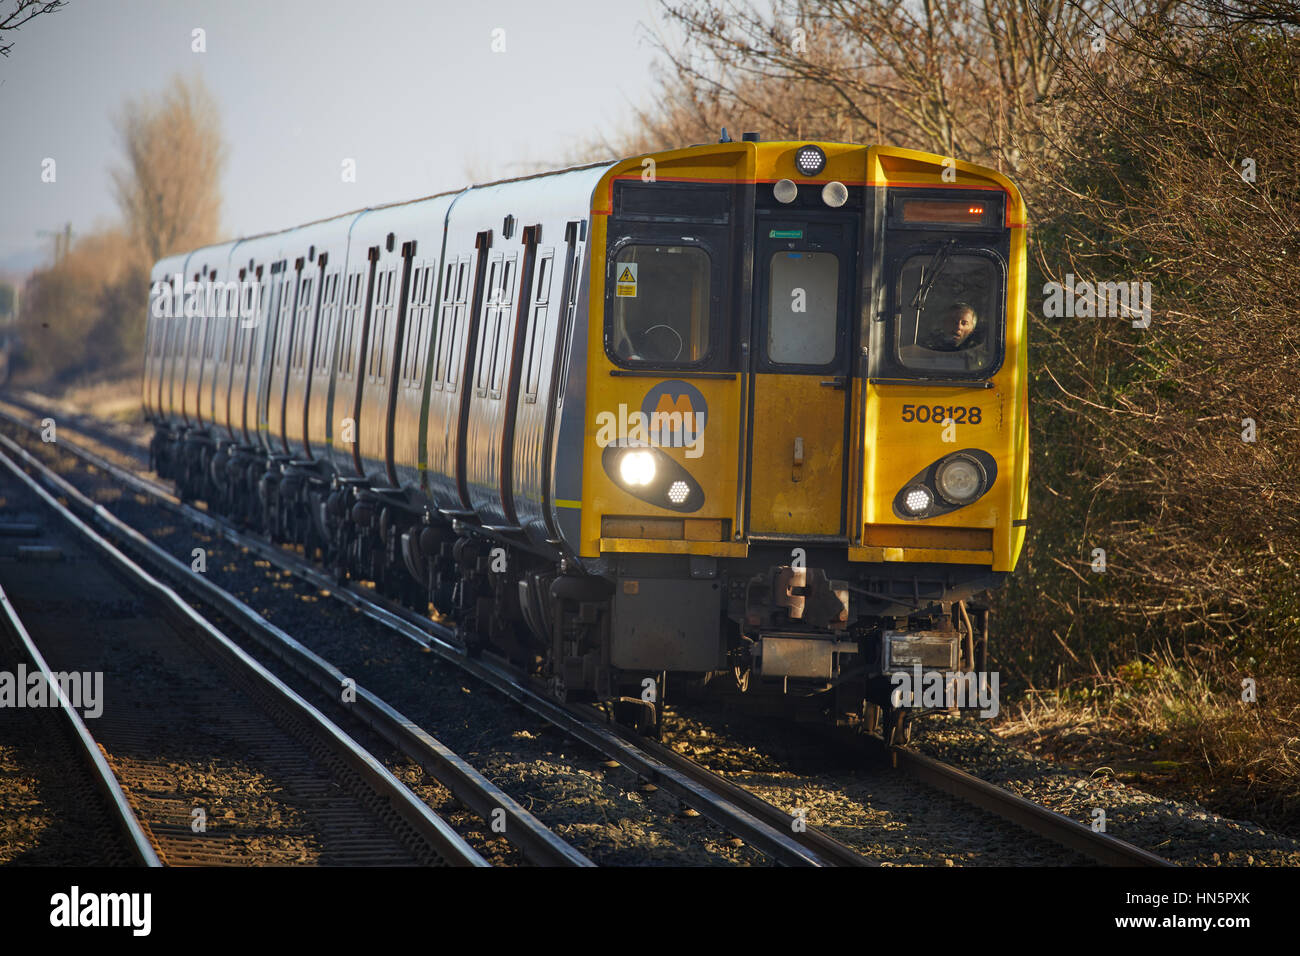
{"points": [[219, 762]]}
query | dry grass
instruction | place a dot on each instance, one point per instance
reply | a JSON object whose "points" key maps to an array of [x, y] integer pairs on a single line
{"points": [[114, 399], [111, 395], [1177, 724]]}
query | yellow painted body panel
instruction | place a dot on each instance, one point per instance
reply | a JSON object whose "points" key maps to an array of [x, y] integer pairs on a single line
{"points": [[722, 549], [797, 484], [913, 555], [896, 450], [716, 469], [883, 451]]}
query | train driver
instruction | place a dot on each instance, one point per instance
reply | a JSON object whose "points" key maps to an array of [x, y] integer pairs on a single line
{"points": [[958, 329]]}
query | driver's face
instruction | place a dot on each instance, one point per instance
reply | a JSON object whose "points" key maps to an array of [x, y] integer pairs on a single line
{"points": [[958, 326]]}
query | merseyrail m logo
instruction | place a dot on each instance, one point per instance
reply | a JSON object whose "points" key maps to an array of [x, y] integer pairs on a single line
{"points": [[673, 415], [681, 409]]}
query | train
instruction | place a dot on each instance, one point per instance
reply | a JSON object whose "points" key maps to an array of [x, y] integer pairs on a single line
{"points": [[746, 417]]}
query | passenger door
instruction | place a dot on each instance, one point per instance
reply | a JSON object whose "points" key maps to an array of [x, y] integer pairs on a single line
{"points": [[805, 271]]}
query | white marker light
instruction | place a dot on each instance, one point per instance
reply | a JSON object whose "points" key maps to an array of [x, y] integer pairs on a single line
{"points": [[785, 191], [917, 499], [678, 492], [810, 160]]}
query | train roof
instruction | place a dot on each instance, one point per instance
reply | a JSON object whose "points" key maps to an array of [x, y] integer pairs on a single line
{"points": [[230, 243]]}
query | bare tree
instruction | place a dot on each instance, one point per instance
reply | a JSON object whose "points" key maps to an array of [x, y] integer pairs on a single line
{"points": [[978, 79], [170, 190], [11, 18]]}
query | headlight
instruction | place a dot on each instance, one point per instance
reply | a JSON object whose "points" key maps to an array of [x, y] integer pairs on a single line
{"points": [[637, 468], [959, 480], [918, 499]]}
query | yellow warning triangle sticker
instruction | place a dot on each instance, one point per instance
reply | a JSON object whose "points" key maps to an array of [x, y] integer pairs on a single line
{"points": [[627, 275]]}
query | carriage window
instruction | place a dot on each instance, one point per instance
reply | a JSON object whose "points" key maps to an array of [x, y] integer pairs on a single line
{"points": [[803, 308], [209, 344], [249, 305], [458, 318], [271, 314], [345, 323], [505, 310], [537, 326], [949, 313], [419, 310], [491, 313], [352, 309], [329, 300], [412, 335], [422, 356], [448, 310], [301, 331], [660, 304], [232, 317], [282, 326], [381, 312]]}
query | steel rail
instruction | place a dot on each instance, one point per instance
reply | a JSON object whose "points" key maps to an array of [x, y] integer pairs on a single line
{"points": [[105, 780], [824, 845], [1024, 813], [413, 811]]}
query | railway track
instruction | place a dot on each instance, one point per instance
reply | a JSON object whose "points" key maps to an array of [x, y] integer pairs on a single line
{"points": [[770, 829], [190, 724], [73, 730], [1057, 827]]}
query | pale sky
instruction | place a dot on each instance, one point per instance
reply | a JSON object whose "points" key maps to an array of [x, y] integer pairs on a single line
{"points": [[410, 89]]}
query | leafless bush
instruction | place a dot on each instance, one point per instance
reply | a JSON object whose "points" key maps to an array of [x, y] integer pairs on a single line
{"points": [[86, 312], [170, 188]]}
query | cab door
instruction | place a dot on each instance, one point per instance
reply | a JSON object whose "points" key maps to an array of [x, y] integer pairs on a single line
{"points": [[804, 275]]}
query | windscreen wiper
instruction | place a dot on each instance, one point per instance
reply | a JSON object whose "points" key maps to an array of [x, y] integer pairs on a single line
{"points": [[931, 273]]}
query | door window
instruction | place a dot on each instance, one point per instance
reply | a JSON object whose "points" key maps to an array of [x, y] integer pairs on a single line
{"points": [[803, 306]]}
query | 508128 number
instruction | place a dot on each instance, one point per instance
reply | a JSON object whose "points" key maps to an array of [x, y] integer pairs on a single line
{"points": [[960, 414]]}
